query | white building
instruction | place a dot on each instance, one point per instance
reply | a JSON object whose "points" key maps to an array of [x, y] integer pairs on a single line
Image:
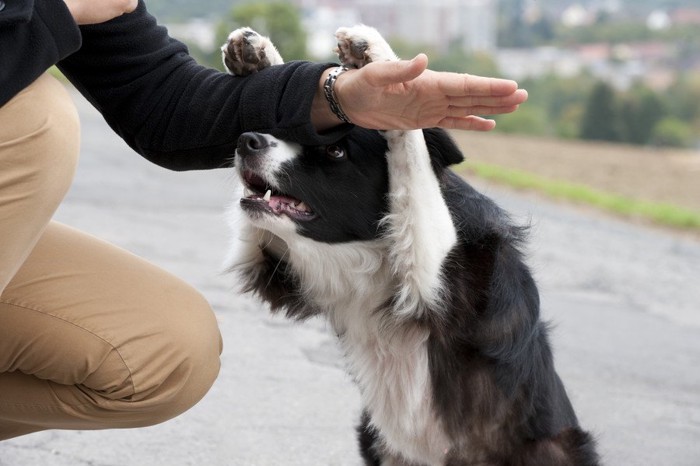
{"points": [[321, 23], [430, 22]]}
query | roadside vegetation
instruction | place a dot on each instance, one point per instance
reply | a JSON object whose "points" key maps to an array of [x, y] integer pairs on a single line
{"points": [[663, 214]]}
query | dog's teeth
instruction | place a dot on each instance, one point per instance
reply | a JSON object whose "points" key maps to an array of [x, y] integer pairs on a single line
{"points": [[267, 195], [247, 192], [301, 206]]}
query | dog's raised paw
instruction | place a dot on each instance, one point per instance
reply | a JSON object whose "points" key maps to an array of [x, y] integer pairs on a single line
{"points": [[246, 52], [360, 45]]}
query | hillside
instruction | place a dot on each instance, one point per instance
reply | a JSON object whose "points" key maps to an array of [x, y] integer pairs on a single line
{"points": [[643, 174]]}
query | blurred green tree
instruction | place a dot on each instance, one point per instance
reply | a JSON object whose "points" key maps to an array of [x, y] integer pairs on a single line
{"points": [[458, 60], [512, 30], [600, 119], [673, 132], [527, 120], [683, 96], [641, 109], [280, 21]]}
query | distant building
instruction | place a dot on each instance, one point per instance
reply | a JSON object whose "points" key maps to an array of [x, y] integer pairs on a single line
{"points": [[197, 31], [620, 65], [321, 23], [658, 20], [686, 16], [576, 15], [520, 63], [437, 23]]}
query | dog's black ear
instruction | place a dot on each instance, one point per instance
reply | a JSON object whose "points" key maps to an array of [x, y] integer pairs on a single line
{"points": [[442, 148]]}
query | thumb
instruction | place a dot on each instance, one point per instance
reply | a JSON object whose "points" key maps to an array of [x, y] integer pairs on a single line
{"points": [[395, 72]]}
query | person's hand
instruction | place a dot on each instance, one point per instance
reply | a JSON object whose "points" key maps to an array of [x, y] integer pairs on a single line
{"points": [[99, 11], [406, 95]]}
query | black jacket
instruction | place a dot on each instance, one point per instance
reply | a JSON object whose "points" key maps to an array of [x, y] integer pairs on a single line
{"points": [[171, 110]]}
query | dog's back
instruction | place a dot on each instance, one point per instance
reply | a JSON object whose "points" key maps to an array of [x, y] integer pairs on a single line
{"points": [[491, 364]]}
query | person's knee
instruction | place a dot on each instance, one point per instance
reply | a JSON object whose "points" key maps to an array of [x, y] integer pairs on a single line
{"points": [[185, 361], [198, 348], [162, 373], [140, 356]]}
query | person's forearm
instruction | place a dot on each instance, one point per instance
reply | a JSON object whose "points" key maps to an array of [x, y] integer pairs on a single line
{"points": [[177, 113]]}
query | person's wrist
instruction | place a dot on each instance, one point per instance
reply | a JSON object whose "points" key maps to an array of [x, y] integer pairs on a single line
{"points": [[322, 118], [95, 12], [329, 91], [74, 9]]}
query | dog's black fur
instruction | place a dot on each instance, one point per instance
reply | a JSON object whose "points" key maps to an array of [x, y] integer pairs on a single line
{"points": [[495, 392], [489, 352]]}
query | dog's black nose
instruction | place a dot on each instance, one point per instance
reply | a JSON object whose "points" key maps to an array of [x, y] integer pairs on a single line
{"points": [[252, 143]]}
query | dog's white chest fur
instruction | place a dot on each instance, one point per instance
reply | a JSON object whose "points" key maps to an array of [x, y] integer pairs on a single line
{"points": [[390, 365], [387, 359]]}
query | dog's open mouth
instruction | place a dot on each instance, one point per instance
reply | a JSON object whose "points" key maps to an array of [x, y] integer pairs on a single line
{"points": [[260, 195]]}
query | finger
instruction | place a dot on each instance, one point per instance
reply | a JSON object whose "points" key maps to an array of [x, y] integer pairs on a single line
{"points": [[470, 123], [516, 98], [382, 74], [457, 85], [466, 111]]}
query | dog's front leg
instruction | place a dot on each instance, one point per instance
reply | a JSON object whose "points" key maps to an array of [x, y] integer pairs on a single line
{"points": [[420, 227]]}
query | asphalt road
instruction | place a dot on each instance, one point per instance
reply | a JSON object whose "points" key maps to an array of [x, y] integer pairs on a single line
{"points": [[624, 301]]}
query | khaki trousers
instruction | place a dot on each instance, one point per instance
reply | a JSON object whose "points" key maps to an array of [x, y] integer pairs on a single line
{"points": [[91, 336]]}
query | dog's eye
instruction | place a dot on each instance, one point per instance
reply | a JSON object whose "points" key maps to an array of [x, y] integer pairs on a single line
{"points": [[335, 152]]}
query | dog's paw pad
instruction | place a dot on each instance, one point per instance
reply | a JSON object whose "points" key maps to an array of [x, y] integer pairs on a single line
{"points": [[351, 51], [360, 45], [246, 52]]}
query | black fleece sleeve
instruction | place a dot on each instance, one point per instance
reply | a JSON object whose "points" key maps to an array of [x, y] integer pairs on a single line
{"points": [[181, 115], [34, 35]]}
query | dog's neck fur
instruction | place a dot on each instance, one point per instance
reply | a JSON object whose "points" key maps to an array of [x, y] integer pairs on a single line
{"points": [[339, 279]]}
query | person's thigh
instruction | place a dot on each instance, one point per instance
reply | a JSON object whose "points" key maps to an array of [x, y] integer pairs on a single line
{"points": [[94, 337], [39, 145]]}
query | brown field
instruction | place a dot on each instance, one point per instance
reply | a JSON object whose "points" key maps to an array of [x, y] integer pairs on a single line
{"points": [[657, 175]]}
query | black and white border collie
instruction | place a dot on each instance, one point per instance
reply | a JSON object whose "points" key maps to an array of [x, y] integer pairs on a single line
{"points": [[420, 277]]}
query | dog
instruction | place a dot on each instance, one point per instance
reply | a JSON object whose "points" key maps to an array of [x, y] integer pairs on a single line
{"points": [[421, 277]]}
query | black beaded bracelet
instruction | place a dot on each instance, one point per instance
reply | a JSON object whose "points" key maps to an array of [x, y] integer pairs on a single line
{"points": [[329, 91]]}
